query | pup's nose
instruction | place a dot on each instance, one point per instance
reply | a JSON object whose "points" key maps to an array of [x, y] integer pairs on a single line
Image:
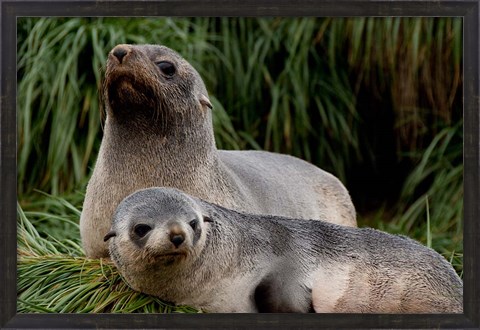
{"points": [[119, 52], [177, 239]]}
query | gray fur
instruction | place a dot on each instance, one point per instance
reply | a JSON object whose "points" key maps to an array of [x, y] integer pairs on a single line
{"points": [[158, 132], [249, 263]]}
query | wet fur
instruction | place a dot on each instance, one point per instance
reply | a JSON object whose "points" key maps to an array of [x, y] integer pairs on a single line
{"points": [[256, 263], [158, 132]]}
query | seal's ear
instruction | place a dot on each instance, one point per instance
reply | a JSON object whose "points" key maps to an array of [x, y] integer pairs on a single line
{"points": [[206, 218], [205, 101], [109, 235]]}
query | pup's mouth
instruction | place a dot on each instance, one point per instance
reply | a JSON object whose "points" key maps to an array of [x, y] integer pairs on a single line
{"points": [[172, 254], [155, 254], [170, 258]]}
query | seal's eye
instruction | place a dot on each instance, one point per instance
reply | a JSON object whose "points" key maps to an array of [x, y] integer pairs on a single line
{"points": [[193, 224], [167, 68], [141, 230]]}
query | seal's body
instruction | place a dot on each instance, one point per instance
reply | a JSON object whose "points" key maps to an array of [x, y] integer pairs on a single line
{"points": [[188, 251], [158, 132]]}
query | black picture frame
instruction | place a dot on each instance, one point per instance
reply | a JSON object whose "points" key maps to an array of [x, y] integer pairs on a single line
{"points": [[11, 9]]}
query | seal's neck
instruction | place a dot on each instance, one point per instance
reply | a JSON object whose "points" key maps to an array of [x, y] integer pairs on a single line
{"points": [[159, 154]]}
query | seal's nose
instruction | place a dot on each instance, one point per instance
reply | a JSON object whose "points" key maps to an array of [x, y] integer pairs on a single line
{"points": [[119, 52], [177, 239]]}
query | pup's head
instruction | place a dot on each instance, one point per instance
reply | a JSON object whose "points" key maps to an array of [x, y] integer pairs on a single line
{"points": [[155, 230]]}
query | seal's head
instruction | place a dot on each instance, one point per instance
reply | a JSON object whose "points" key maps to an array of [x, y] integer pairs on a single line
{"points": [[156, 232], [152, 81]]}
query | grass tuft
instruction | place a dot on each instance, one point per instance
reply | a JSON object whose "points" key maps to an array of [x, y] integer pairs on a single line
{"points": [[65, 284]]}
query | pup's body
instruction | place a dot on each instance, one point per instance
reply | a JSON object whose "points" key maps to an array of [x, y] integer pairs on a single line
{"points": [[158, 132], [185, 250]]}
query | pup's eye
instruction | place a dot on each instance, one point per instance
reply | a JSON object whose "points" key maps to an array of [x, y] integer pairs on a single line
{"points": [[141, 230], [167, 68], [193, 224]]}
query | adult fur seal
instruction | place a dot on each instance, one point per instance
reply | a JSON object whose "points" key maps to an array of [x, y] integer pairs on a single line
{"points": [[158, 132], [188, 251]]}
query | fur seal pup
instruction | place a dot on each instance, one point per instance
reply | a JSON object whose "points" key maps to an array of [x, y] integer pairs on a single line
{"points": [[188, 251], [158, 132]]}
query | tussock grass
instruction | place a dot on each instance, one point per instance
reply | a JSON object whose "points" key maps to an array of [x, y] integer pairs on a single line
{"points": [[415, 61], [78, 285], [438, 177]]}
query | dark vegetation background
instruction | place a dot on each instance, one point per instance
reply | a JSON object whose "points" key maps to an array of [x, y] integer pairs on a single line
{"points": [[375, 101]]}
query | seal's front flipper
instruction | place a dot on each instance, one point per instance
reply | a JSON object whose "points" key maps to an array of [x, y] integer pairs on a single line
{"points": [[274, 295]]}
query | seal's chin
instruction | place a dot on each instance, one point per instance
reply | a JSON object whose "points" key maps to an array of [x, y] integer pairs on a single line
{"points": [[125, 93], [125, 86]]}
